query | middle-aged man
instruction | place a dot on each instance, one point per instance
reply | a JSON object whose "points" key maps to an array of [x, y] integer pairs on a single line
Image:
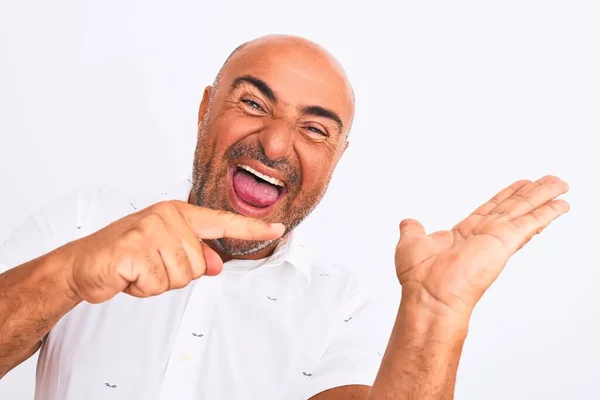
{"points": [[108, 285]]}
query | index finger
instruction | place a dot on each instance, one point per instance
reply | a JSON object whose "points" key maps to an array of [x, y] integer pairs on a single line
{"points": [[215, 224]]}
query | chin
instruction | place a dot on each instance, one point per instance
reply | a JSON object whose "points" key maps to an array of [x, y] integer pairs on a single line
{"points": [[236, 248]]}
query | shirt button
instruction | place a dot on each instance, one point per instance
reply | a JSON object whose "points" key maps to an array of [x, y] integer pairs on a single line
{"points": [[185, 358]]}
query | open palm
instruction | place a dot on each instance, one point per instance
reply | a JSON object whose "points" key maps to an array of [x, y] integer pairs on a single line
{"points": [[454, 268]]}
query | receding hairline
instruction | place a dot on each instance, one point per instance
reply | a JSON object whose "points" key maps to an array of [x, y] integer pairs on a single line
{"points": [[220, 73]]}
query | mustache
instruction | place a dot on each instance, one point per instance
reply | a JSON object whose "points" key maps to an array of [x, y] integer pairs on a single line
{"points": [[257, 152]]}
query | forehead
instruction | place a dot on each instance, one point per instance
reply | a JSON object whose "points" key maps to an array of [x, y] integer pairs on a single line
{"points": [[300, 75]]}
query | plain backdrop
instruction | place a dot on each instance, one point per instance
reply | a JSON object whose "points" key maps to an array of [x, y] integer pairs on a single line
{"points": [[455, 100]]}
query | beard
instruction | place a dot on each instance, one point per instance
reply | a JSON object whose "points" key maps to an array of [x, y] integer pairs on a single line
{"points": [[210, 190]]}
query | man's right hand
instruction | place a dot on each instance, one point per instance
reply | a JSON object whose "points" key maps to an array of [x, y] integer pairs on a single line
{"points": [[155, 250]]}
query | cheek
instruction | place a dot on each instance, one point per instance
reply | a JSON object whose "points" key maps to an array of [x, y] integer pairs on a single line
{"points": [[316, 168], [229, 129]]}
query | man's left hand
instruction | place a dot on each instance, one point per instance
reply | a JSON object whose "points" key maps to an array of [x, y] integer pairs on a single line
{"points": [[450, 270]]}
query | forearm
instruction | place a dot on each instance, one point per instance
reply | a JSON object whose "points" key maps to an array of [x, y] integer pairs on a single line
{"points": [[422, 357], [33, 297]]}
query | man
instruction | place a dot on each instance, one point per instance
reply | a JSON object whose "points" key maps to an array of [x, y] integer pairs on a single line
{"points": [[110, 285]]}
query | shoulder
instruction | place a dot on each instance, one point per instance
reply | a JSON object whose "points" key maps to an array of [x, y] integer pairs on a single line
{"points": [[60, 220], [86, 209], [82, 198], [79, 212]]}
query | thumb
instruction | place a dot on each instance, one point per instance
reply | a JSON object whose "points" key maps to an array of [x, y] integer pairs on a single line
{"points": [[410, 228]]}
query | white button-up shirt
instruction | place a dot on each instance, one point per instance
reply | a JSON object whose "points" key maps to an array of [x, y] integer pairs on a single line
{"points": [[285, 327]]}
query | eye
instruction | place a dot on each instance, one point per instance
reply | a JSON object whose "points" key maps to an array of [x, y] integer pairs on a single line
{"points": [[253, 104], [316, 130]]}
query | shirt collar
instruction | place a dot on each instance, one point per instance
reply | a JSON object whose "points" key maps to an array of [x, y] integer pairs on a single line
{"points": [[292, 249]]}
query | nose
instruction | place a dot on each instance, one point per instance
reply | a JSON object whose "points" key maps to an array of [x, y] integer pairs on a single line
{"points": [[276, 140]]}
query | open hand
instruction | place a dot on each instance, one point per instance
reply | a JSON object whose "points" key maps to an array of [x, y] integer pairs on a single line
{"points": [[452, 269]]}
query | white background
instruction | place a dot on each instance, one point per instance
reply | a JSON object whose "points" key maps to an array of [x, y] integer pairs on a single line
{"points": [[455, 100]]}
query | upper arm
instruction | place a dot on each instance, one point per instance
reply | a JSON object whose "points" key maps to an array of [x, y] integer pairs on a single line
{"points": [[46, 228], [349, 392], [42, 231]]}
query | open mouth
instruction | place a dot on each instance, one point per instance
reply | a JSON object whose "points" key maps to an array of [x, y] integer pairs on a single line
{"points": [[253, 193]]}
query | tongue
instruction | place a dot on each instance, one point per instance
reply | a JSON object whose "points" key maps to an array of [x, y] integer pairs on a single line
{"points": [[254, 191]]}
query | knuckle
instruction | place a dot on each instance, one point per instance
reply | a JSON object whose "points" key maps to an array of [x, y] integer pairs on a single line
{"points": [[222, 214], [541, 182], [151, 222], [519, 184], [166, 208], [132, 237], [179, 282], [557, 207], [529, 202], [162, 283], [184, 266], [181, 257], [230, 220], [161, 206], [156, 275], [518, 197], [198, 269], [188, 274], [536, 216], [259, 225]]}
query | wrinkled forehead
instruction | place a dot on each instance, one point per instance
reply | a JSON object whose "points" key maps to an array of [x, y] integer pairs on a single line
{"points": [[299, 75]]}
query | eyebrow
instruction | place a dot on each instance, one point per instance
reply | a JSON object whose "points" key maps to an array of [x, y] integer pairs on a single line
{"points": [[266, 90], [257, 83], [325, 113]]}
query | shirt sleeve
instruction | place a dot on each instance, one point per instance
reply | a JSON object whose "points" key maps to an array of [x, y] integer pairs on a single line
{"points": [[355, 354], [45, 229]]}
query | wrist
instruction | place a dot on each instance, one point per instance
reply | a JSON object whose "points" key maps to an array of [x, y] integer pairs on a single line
{"points": [[427, 316], [59, 265]]}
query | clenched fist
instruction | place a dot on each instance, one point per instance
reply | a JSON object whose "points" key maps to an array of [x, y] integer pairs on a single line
{"points": [[155, 250]]}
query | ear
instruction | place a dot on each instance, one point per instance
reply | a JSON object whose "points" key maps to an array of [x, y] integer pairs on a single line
{"points": [[345, 146], [204, 104]]}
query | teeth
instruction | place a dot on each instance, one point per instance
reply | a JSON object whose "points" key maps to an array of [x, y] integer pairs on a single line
{"points": [[267, 178]]}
